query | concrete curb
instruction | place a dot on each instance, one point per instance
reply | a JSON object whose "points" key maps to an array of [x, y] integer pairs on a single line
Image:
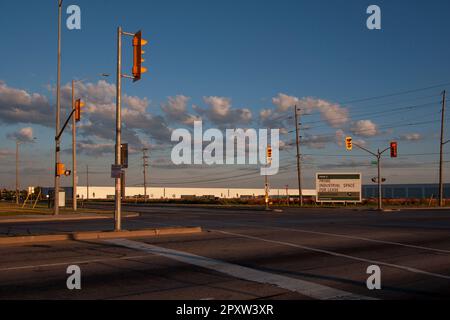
{"points": [[62, 218], [97, 235]]}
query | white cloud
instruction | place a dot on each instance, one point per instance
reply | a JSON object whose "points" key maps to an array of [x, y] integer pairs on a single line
{"points": [[220, 112], [365, 128], [23, 135], [175, 109], [411, 137], [20, 106], [334, 114], [284, 102]]}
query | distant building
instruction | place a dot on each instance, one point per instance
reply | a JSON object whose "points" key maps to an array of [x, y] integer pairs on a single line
{"points": [[390, 191]]}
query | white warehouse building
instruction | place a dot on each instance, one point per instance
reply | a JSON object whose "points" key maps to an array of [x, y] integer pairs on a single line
{"points": [[178, 193]]}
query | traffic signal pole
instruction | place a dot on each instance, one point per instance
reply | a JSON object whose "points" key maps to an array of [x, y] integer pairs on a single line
{"points": [[138, 42], [118, 198], [58, 111], [377, 155], [74, 152]]}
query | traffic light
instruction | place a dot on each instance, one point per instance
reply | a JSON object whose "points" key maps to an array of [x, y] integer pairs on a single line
{"points": [[349, 143], [394, 149], [78, 105], [269, 152], [138, 43], [60, 169]]}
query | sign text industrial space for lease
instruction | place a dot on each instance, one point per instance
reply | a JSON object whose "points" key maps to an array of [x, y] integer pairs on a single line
{"points": [[339, 187]]}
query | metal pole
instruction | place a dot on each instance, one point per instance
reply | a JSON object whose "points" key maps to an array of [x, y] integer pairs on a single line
{"points": [[118, 200], [145, 164], [58, 110], [266, 198], [74, 153], [87, 183], [17, 173], [299, 167], [380, 195], [441, 159]]}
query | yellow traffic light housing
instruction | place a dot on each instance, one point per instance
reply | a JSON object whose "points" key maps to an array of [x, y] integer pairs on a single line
{"points": [[269, 154], [349, 143], [60, 169], [78, 105], [138, 59]]}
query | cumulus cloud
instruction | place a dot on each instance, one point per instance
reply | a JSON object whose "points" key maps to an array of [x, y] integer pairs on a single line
{"points": [[220, 112], [364, 128], [284, 102], [20, 106], [411, 137], [100, 112], [334, 114], [175, 109], [23, 135]]}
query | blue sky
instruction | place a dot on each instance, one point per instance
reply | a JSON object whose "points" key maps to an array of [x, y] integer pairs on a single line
{"points": [[248, 52]]}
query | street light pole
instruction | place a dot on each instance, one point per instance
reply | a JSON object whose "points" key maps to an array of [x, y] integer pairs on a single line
{"points": [[441, 158], [58, 110], [74, 153], [118, 196]]}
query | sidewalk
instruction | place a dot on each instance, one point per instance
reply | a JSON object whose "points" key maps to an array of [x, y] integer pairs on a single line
{"points": [[65, 217]]}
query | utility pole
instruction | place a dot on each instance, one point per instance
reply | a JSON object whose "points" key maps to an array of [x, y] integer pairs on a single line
{"points": [[17, 173], [58, 110], [145, 165], [299, 167], [74, 153], [441, 159]]}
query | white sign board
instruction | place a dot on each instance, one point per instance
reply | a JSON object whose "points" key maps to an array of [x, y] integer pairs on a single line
{"points": [[339, 187]]}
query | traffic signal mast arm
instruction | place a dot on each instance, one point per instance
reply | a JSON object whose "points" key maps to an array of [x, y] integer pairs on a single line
{"points": [[372, 153], [65, 125]]}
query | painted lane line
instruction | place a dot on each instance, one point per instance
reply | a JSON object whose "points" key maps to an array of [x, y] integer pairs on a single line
{"points": [[336, 254], [59, 264], [309, 289], [363, 239]]}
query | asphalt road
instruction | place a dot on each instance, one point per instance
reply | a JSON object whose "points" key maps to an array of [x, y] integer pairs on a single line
{"points": [[242, 254]]}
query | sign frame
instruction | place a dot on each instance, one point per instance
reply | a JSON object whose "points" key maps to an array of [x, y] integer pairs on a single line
{"points": [[356, 177]]}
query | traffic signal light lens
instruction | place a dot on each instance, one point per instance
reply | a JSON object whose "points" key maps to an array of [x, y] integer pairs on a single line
{"points": [[394, 149]]}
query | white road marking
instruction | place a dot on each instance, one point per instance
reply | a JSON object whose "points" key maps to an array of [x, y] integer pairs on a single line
{"points": [[305, 288], [59, 264], [363, 239], [336, 254]]}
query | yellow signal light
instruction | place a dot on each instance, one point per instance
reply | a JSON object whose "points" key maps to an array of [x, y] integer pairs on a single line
{"points": [[60, 169], [349, 143], [138, 43], [78, 105]]}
